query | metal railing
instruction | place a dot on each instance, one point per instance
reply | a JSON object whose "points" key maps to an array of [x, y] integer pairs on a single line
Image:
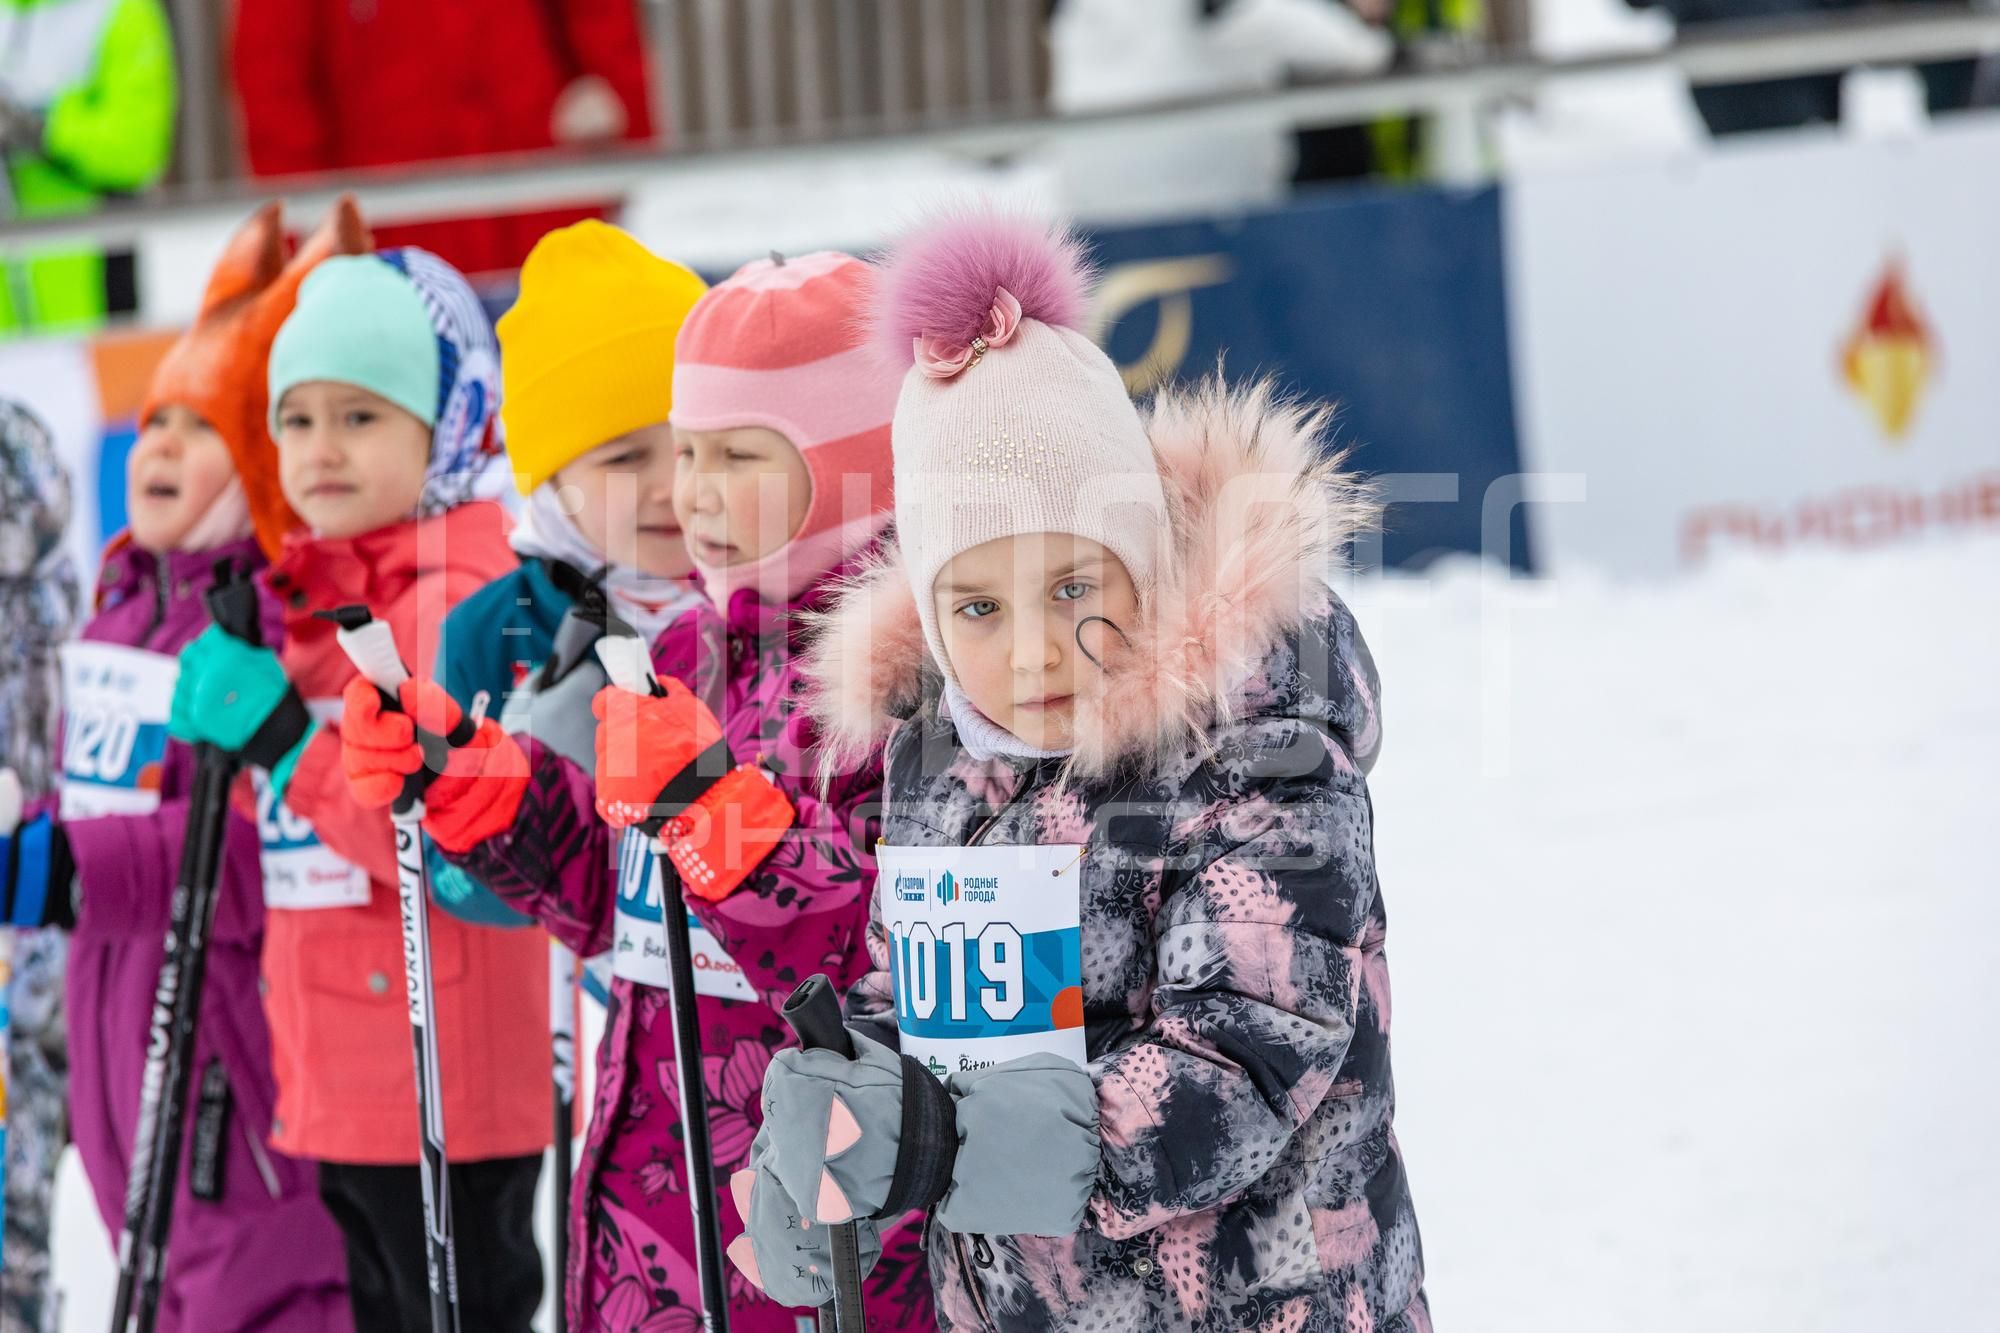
{"points": [[732, 72], [458, 188]]}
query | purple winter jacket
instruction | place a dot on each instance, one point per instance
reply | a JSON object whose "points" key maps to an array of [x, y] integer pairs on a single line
{"points": [[803, 911], [263, 1255]]}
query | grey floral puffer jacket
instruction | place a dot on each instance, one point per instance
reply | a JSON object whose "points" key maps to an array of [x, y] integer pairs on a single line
{"points": [[1236, 991]]}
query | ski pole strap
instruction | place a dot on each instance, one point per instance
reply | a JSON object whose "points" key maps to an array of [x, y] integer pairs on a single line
{"points": [[436, 751], [927, 1153], [278, 733], [683, 789]]}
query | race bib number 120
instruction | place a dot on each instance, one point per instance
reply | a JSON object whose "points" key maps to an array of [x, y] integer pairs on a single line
{"points": [[985, 950], [115, 704]]}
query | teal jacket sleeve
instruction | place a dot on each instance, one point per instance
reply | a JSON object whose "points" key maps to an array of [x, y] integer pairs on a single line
{"points": [[477, 652]]}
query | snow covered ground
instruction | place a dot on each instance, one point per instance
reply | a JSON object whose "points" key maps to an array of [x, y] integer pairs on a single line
{"points": [[1695, 942], [1694, 939]]}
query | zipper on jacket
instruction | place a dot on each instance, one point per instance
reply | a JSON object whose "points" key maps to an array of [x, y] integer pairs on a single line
{"points": [[161, 576], [1031, 783], [264, 1167], [982, 1252], [973, 1284]]}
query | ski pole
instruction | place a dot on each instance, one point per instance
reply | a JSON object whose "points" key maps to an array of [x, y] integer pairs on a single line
{"points": [[371, 646], [814, 1013], [628, 665], [562, 1055], [575, 640], [164, 1087]]}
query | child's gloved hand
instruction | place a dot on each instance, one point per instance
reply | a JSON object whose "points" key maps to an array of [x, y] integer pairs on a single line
{"points": [[662, 764], [36, 871], [644, 742], [835, 1127], [1008, 1150], [787, 1255], [235, 696], [473, 798]]}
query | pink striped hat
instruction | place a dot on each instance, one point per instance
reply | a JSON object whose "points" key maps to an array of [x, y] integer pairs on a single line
{"points": [[782, 345]]}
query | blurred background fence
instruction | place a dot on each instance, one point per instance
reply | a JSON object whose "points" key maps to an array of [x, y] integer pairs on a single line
{"points": [[1524, 238]]}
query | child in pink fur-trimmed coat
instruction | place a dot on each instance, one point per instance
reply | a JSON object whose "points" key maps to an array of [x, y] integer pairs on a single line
{"points": [[1105, 647]]}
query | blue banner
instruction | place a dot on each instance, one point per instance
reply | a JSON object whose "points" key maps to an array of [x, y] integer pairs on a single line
{"points": [[1389, 302]]}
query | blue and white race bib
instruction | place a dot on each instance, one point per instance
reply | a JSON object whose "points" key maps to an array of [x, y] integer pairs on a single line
{"points": [[115, 705], [639, 949], [985, 951], [301, 873]]}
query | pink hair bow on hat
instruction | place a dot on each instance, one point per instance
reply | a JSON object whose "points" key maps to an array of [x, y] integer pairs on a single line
{"points": [[943, 359]]}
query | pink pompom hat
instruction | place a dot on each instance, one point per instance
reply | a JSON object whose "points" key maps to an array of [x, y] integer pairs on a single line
{"points": [[1011, 421]]}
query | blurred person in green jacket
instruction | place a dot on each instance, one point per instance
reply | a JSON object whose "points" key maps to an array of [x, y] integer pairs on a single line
{"points": [[86, 109]]}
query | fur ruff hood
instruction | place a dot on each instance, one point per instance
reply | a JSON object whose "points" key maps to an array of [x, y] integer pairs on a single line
{"points": [[1259, 513]]}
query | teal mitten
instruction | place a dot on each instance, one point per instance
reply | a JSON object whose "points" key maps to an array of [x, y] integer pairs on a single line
{"points": [[235, 696]]}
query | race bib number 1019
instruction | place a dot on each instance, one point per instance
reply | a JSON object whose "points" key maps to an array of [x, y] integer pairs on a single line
{"points": [[985, 951]]}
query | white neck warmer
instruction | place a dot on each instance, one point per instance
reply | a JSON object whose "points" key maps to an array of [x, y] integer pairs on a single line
{"points": [[982, 737], [647, 603], [226, 520]]}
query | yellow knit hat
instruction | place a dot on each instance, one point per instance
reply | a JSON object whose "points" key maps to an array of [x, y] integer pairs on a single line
{"points": [[587, 352]]}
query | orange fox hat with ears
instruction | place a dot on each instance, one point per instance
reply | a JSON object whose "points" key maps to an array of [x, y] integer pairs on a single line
{"points": [[217, 368]]}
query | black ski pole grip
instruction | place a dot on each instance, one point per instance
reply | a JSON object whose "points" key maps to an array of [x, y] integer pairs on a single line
{"points": [[232, 603], [814, 1013], [813, 1010]]}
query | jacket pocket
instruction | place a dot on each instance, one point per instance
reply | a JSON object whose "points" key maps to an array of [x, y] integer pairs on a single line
{"points": [[354, 994]]}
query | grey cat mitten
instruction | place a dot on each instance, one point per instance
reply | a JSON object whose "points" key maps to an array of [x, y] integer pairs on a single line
{"points": [[1008, 1150], [786, 1254]]}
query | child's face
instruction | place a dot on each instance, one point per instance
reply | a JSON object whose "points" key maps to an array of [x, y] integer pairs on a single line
{"points": [[178, 468], [350, 461], [1009, 612], [623, 493], [739, 494]]}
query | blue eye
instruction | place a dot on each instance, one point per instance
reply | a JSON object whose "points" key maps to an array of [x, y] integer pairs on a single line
{"points": [[980, 609], [1072, 592]]}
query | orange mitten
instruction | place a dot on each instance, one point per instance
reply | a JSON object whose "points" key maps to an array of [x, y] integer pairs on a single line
{"points": [[662, 764]]}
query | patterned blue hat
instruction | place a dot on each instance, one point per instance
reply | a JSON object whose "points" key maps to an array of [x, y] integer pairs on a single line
{"points": [[406, 325]]}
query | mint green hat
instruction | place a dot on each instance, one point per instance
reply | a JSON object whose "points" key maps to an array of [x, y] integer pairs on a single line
{"points": [[360, 321]]}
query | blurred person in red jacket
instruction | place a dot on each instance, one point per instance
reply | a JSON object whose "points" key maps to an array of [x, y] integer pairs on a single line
{"points": [[329, 85]]}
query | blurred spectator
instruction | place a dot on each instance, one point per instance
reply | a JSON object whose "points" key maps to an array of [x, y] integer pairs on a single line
{"points": [[1393, 146], [1109, 54], [40, 603], [86, 109], [1774, 104], [329, 85]]}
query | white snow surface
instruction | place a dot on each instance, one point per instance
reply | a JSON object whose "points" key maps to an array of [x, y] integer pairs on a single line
{"points": [[1694, 939]]}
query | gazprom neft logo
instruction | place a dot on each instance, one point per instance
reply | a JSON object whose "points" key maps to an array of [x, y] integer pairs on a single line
{"points": [[947, 889], [910, 888]]}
